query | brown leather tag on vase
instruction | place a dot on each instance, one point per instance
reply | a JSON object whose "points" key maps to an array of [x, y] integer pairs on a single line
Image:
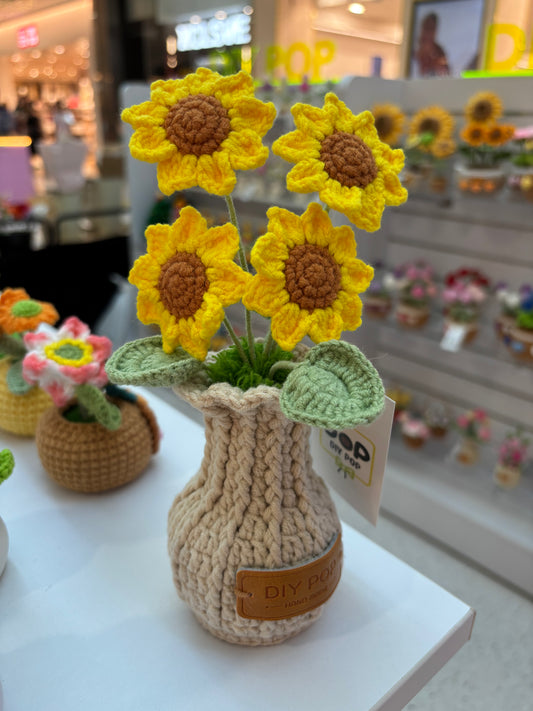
{"points": [[287, 592]]}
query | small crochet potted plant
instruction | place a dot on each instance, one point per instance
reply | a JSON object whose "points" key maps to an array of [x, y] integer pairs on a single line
{"points": [[485, 146], [437, 418], [520, 336], [378, 298], [416, 290], [7, 464], [513, 455], [21, 404], [428, 148], [521, 177], [415, 432], [465, 291], [97, 437], [509, 302], [474, 428], [256, 502]]}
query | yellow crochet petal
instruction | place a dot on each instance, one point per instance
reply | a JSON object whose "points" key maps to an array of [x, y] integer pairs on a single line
{"points": [[249, 112], [316, 225], [269, 254], [149, 143], [368, 217], [289, 325], [286, 225], [349, 307], [325, 325], [340, 197], [169, 332], [144, 273], [343, 244], [160, 244], [313, 121], [218, 243], [387, 159], [188, 230], [265, 295], [356, 276], [245, 149], [394, 192], [177, 173], [307, 176], [341, 116], [227, 282], [146, 114], [215, 174], [296, 146], [236, 86], [149, 306]]}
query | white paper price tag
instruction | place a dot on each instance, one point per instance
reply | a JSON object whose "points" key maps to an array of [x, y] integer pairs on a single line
{"points": [[453, 338], [353, 461]]}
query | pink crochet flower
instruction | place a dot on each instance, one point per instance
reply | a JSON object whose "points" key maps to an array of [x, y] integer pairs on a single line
{"points": [[60, 359]]}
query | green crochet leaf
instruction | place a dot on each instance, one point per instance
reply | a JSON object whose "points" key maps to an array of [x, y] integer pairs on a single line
{"points": [[7, 464], [12, 346], [335, 386], [143, 362], [15, 382], [97, 405]]}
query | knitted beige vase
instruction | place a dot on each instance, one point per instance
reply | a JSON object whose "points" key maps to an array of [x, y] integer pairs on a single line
{"points": [[19, 414], [89, 458], [254, 503]]}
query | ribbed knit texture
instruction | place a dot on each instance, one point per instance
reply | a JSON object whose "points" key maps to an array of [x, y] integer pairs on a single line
{"points": [[88, 457], [19, 414], [255, 502]]}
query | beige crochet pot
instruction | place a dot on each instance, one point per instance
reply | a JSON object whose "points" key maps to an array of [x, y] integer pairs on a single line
{"points": [[255, 503], [412, 316], [19, 414], [89, 458]]}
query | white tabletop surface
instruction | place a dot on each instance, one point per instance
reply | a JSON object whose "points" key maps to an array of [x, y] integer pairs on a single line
{"points": [[89, 618]]}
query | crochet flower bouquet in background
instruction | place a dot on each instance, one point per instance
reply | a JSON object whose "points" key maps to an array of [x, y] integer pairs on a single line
{"points": [[307, 277]]}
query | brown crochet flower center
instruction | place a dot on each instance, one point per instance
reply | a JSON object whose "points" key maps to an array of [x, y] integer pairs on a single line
{"points": [[482, 110], [384, 125], [312, 277], [197, 124], [348, 160], [182, 284], [429, 125]]}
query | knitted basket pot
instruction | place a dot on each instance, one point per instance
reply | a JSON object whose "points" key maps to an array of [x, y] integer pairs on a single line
{"points": [[88, 457], [520, 344], [377, 306], [254, 503], [470, 329], [506, 476], [19, 414], [411, 316]]}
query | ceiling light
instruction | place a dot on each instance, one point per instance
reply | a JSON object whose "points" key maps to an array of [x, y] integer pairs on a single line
{"points": [[221, 15], [356, 8], [248, 10], [59, 49], [195, 20]]}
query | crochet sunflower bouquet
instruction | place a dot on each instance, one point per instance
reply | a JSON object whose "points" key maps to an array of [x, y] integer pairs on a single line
{"points": [[256, 512]]}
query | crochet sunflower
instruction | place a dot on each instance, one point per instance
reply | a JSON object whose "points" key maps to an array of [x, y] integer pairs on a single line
{"points": [[433, 121], [308, 278], [389, 121], [200, 130], [186, 279], [484, 107], [340, 156]]}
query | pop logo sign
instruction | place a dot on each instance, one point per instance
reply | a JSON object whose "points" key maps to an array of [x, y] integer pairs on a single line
{"points": [[353, 461]]}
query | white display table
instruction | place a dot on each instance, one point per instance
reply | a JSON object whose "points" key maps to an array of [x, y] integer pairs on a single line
{"points": [[89, 618]]}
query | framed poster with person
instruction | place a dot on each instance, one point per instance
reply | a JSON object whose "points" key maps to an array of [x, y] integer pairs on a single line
{"points": [[444, 38]]}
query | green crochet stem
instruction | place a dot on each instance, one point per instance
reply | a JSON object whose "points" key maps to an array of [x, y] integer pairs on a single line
{"points": [[95, 402], [237, 342], [282, 364], [244, 265], [11, 346], [7, 464]]}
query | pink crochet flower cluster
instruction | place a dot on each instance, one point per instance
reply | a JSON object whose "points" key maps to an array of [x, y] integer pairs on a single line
{"points": [[464, 293], [513, 451], [474, 424], [58, 360]]}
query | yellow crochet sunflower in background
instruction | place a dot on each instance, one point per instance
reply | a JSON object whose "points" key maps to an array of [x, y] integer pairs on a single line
{"points": [[389, 121], [484, 107], [339, 155], [200, 130], [434, 121], [186, 278], [308, 278]]}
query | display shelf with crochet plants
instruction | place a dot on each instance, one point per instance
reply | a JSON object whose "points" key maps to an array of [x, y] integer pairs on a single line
{"points": [[521, 172], [519, 337], [485, 146], [257, 501], [21, 404], [474, 429], [466, 290], [7, 464], [96, 436], [415, 432]]}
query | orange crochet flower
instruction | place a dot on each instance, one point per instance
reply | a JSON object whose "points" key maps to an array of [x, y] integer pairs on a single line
{"points": [[20, 313]]}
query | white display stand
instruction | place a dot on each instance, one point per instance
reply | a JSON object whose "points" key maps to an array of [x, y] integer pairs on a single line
{"points": [[90, 618]]}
